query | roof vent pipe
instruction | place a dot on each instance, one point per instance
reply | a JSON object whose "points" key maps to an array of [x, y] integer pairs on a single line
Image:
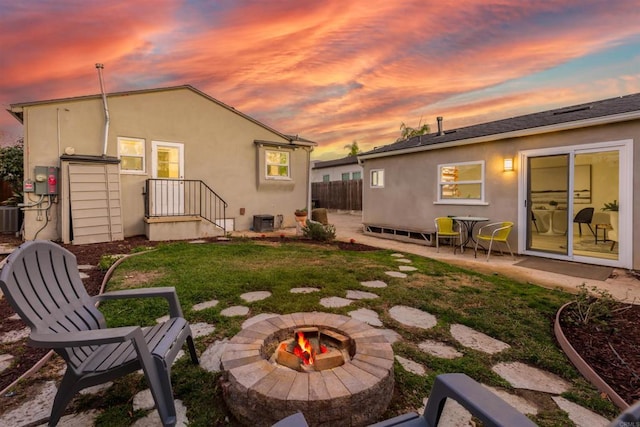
{"points": [[440, 130], [99, 67]]}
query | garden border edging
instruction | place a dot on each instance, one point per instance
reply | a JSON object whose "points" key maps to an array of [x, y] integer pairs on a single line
{"points": [[582, 366]]}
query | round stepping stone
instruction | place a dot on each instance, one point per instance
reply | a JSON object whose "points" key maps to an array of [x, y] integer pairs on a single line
{"points": [[367, 316], [520, 403], [210, 359], [96, 388], [411, 366], [527, 377], [334, 302], [391, 335], [202, 329], [304, 290], [33, 410], [397, 255], [258, 318], [80, 419], [143, 401], [14, 336], [582, 416], [439, 349], [396, 274], [374, 284], [5, 361], [360, 295], [204, 305], [236, 310], [162, 319], [407, 268], [453, 414], [477, 340], [404, 260], [413, 317], [255, 296]]}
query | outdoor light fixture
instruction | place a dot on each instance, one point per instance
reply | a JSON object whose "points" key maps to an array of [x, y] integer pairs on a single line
{"points": [[508, 164]]}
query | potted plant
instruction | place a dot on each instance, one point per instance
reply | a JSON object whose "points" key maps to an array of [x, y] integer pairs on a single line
{"points": [[611, 206], [553, 205], [301, 215]]}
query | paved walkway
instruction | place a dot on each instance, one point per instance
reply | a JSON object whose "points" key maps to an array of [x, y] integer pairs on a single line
{"points": [[519, 375], [622, 285]]}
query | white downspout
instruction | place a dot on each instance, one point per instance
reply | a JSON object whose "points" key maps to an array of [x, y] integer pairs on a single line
{"points": [[106, 109]]}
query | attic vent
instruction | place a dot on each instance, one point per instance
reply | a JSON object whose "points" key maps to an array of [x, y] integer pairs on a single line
{"points": [[572, 110]]}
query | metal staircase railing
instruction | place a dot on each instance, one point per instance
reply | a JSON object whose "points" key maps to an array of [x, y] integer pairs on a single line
{"points": [[184, 197]]}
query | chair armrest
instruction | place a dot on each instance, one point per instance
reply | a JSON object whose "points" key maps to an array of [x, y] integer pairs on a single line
{"points": [[83, 338], [168, 293], [481, 402]]}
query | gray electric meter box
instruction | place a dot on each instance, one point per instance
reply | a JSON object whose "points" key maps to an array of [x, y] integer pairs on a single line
{"points": [[46, 180]]}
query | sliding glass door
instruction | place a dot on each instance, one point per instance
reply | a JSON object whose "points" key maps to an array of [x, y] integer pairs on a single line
{"points": [[571, 199]]}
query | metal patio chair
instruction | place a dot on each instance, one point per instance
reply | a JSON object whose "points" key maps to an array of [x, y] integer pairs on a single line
{"points": [[42, 283], [494, 232], [445, 229]]}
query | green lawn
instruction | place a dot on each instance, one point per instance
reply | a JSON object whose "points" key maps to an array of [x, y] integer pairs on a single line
{"points": [[517, 313]]}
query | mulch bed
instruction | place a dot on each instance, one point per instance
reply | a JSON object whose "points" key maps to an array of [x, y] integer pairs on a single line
{"points": [[611, 348], [26, 357]]}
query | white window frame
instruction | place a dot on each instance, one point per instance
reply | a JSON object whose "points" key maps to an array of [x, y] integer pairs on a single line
{"points": [[375, 176], [267, 164], [144, 156], [462, 201]]}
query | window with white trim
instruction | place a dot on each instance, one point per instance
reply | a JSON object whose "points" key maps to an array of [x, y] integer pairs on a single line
{"points": [[277, 164], [131, 152], [377, 178], [461, 183]]}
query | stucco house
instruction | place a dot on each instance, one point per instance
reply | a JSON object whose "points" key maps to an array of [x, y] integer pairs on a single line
{"points": [[171, 163], [583, 157], [343, 169]]}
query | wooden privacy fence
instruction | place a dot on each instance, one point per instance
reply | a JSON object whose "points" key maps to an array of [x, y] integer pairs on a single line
{"points": [[344, 195]]}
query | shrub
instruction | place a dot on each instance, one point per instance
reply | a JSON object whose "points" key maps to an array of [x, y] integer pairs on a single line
{"points": [[319, 232], [595, 306]]}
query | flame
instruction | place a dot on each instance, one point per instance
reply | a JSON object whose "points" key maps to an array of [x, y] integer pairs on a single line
{"points": [[304, 350]]}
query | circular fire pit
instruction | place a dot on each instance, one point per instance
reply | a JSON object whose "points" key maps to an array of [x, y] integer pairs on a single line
{"points": [[259, 391]]}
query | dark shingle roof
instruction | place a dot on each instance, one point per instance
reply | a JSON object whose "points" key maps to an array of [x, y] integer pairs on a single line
{"points": [[575, 113], [349, 160]]}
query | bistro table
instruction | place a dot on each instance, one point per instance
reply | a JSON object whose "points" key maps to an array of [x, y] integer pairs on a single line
{"points": [[469, 222]]}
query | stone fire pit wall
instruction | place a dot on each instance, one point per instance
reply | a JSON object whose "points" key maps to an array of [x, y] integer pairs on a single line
{"points": [[260, 393]]}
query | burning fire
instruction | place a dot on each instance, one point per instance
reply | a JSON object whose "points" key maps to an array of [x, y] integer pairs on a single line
{"points": [[305, 351]]}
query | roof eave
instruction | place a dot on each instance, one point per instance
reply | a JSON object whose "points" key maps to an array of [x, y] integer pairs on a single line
{"points": [[597, 121]]}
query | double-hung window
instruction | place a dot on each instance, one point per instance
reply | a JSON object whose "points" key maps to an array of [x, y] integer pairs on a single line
{"points": [[277, 164], [132, 155], [377, 178], [461, 183]]}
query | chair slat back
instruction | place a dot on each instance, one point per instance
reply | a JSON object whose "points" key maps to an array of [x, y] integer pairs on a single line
{"points": [[42, 283], [444, 225], [503, 234]]}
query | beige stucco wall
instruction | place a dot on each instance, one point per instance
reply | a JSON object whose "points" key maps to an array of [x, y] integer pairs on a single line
{"points": [[407, 199], [218, 149]]}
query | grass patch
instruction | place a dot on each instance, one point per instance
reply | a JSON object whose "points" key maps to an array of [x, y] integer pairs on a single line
{"points": [[517, 313]]}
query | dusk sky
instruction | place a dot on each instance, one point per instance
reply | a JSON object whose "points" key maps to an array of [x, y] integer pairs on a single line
{"points": [[332, 71]]}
